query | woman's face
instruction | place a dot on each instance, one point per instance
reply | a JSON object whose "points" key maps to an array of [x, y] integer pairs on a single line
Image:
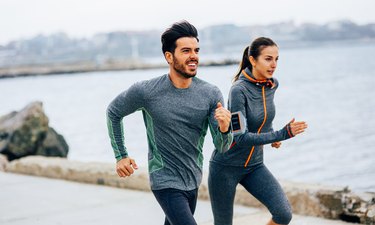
{"points": [[265, 65]]}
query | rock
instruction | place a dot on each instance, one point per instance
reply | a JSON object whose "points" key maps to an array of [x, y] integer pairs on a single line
{"points": [[3, 162], [27, 132], [53, 145]]}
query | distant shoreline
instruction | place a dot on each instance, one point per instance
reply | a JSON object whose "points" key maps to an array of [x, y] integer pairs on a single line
{"points": [[14, 71], [85, 67]]}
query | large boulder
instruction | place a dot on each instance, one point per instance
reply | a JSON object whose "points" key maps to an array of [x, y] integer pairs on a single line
{"points": [[27, 132], [3, 162]]}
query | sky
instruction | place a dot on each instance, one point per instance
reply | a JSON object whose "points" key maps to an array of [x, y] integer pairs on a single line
{"points": [[22, 19]]}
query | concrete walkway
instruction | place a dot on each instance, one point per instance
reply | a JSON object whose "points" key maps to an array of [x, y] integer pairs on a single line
{"points": [[42, 201]]}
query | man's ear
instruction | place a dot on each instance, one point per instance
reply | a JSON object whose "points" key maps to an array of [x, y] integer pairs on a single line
{"points": [[169, 57]]}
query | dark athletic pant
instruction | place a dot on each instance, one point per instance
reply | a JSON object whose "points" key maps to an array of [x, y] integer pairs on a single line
{"points": [[178, 206], [257, 180]]}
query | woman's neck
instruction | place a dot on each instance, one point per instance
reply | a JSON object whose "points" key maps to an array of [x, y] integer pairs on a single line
{"points": [[256, 75]]}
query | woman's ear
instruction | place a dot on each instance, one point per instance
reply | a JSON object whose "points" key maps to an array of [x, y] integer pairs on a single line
{"points": [[252, 61], [169, 57]]}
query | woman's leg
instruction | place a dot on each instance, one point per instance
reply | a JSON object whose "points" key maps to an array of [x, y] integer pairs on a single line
{"points": [[263, 186], [222, 188]]}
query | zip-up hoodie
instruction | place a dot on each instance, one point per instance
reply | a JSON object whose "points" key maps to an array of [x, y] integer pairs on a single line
{"points": [[255, 100]]}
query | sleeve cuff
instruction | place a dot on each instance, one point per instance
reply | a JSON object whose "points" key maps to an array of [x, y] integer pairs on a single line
{"points": [[227, 132], [289, 131]]}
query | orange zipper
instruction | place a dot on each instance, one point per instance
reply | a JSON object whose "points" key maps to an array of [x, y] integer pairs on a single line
{"points": [[261, 126]]}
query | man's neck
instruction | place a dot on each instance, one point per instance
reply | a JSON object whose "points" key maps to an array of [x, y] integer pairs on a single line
{"points": [[180, 81]]}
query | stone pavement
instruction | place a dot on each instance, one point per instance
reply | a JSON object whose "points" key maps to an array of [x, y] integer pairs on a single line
{"points": [[32, 200]]}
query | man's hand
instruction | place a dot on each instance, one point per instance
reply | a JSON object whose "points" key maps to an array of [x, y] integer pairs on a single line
{"points": [[223, 117], [125, 167]]}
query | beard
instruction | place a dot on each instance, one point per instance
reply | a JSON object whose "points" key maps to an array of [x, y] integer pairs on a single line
{"points": [[181, 69]]}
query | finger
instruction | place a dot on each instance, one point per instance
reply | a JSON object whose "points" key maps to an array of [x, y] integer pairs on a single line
{"points": [[298, 131], [292, 121], [219, 105], [223, 112], [296, 124], [132, 162], [120, 173], [222, 117], [125, 171], [129, 169]]}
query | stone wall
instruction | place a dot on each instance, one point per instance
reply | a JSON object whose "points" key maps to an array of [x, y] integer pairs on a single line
{"points": [[306, 199]]}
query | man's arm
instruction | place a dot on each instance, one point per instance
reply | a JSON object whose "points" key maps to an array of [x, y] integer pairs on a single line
{"points": [[219, 123], [124, 104]]}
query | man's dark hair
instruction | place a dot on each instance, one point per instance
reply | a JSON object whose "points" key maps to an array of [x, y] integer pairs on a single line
{"points": [[176, 31]]}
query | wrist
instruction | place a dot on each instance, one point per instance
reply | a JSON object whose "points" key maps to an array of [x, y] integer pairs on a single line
{"points": [[226, 131], [289, 130]]}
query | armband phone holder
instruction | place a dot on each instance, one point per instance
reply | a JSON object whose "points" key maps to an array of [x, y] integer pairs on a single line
{"points": [[238, 123]]}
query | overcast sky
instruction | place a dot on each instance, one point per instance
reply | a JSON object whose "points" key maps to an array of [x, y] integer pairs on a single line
{"points": [[83, 18]]}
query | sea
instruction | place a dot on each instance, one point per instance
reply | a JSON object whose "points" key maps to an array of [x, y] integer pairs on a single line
{"points": [[331, 87]]}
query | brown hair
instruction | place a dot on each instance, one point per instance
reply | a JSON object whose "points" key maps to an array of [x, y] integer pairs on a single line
{"points": [[253, 50]]}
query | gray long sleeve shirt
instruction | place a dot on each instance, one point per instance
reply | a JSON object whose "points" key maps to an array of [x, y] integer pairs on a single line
{"points": [[255, 101], [176, 121]]}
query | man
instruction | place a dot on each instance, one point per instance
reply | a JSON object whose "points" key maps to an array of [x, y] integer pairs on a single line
{"points": [[177, 109]]}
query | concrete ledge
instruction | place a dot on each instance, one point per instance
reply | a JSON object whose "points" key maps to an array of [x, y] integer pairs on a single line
{"points": [[94, 173], [306, 199]]}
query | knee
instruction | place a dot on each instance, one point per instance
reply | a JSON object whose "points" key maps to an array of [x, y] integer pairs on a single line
{"points": [[283, 217]]}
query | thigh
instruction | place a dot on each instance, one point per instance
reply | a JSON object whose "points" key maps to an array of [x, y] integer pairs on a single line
{"points": [[178, 206], [222, 184], [264, 187]]}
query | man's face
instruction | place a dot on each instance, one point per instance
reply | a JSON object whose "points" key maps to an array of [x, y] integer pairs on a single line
{"points": [[185, 57]]}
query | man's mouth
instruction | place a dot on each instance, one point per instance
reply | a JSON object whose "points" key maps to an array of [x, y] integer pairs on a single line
{"points": [[192, 65]]}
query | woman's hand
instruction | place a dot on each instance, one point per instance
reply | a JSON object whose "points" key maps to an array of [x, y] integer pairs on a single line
{"points": [[276, 144], [297, 127]]}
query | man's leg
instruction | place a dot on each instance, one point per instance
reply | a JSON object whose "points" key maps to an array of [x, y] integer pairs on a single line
{"points": [[178, 206]]}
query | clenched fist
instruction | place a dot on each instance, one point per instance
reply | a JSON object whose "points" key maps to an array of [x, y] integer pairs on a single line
{"points": [[125, 167], [223, 117]]}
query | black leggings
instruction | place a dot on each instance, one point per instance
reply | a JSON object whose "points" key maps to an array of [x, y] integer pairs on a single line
{"points": [[178, 206], [257, 180]]}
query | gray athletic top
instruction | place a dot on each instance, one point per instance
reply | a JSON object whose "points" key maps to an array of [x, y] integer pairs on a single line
{"points": [[255, 101], [176, 121]]}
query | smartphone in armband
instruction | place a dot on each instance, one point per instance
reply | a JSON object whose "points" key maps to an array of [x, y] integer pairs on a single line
{"points": [[238, 123]]}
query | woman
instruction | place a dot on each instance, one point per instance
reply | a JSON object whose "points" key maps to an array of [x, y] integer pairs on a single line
{"points": [[252, 94]]}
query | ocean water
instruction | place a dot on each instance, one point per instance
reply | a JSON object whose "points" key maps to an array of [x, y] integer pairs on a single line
{"points": [[329, 87]]}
